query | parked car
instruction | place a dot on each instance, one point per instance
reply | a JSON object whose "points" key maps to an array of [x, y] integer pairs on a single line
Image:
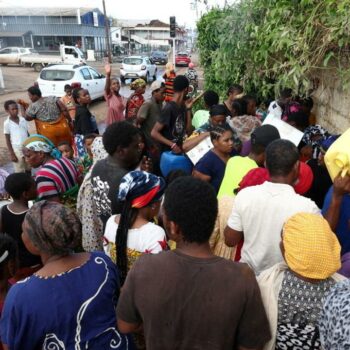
{"points": [[182, 59], [12, 55], [52, 80], [159, 57], [134, 67], [67, 54]]}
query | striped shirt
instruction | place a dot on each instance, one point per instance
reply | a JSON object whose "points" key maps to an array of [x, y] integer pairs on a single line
{"points": [[56, 177]]}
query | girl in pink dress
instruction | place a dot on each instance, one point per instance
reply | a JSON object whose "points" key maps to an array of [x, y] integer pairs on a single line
{"points": [[116, 103]]}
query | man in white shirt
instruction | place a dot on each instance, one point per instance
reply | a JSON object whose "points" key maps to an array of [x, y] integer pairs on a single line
{"points": [[276, 107], [259, 212], [16, 132]]}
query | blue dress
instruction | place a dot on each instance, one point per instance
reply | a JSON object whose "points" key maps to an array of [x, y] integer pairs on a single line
{"points": [[342, 231], [210, 164], [73, 310]]}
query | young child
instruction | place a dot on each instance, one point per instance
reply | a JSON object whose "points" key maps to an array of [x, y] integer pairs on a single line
{"points": [[68, 100], [21, 187], [67, 150], [128, 235], [8, 266], [85, 122], [85, 162], [16, 132]]}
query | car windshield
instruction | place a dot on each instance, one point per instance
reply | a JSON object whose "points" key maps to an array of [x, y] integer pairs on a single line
{"points": [[182, 55], [133, 61], [57, 75]]}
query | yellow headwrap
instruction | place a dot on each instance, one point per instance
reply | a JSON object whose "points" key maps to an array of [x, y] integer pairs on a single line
{"points": [[137, 83], [311, 248]]}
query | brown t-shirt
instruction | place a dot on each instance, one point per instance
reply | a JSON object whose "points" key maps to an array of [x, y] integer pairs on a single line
{"points": [[194, 303]]}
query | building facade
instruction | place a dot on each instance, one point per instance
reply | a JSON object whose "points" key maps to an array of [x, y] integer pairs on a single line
{"points": [[44, 29], [139, 36]]}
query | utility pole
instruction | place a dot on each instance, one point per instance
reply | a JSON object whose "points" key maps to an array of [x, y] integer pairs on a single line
{"points": [[173, 35], [108, 37]]}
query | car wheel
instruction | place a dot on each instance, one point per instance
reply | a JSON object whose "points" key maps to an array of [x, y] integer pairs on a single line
{"points": [[146, 78], [122, 79], [155, 75]]}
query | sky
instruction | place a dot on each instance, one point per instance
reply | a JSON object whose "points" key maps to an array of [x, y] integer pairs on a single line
{"points": [[133, 9]]}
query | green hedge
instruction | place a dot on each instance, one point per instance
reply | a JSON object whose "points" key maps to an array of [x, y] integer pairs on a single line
{"points": [[269, 44]]}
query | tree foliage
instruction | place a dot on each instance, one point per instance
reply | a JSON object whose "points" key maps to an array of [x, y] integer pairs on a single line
{"points": [[269, 44]]}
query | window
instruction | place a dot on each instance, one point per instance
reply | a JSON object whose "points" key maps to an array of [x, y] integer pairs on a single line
{"points": [[147, 61], [23, 50], [117, 35], [134, 61], [5, 51], [14, 50], [86, 74], [57, 75], [94, 74]]}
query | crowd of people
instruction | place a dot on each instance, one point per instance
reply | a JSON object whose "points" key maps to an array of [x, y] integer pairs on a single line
{"points": [[124, 241]]}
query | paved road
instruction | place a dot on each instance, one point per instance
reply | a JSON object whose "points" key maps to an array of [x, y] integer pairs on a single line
{"points": [[17, 80]]}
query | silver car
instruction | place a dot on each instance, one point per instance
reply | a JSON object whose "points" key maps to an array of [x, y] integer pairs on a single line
{"points": [[134, 67]]}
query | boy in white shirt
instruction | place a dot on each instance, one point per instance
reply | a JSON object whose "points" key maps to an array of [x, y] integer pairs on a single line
{"points": [[16, 132]]}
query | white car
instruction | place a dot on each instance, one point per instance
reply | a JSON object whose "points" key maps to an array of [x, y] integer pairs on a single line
{"points": [[52, 80], [134, 67], [12, 55]]}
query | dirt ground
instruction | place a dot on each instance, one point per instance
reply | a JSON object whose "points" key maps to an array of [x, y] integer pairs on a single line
{"points": [[17, 80]]}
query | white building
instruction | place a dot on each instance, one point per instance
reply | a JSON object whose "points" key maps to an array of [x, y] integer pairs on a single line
{"points": [[145, 35]]}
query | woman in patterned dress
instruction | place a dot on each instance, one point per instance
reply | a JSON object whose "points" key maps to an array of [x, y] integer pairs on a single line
{"points": [[293, 292], [136, 100], [61, 306]]}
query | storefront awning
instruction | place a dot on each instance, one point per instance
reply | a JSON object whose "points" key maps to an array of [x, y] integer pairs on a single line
{"points": [[13, 34]]}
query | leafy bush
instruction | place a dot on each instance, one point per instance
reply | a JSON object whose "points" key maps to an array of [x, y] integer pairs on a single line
{"points": [[269, 44]]}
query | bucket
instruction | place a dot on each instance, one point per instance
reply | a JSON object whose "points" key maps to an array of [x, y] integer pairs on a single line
{"points": [[170, 161], [337, 158]]}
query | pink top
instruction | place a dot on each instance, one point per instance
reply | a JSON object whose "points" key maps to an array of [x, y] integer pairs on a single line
{"points": [[116, 106]]}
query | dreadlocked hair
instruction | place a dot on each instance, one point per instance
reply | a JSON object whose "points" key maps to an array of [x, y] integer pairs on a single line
{"points": [[127, 218]]}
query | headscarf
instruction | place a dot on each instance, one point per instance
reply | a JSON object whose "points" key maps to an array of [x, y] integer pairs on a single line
{"points": [[40, 143], [334, 319], [53, 228], [138, 83], [311, 248], [141, 188], [310, 133], [137, 189]]}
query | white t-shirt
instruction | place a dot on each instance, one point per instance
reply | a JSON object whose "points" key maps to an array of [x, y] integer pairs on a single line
{"points": [[149, 238], [18, 132], [260, 213], [275, 110]]}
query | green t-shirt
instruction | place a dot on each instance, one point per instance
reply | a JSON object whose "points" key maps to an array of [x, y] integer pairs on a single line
{"points": [[200, 118], [236, 168]]}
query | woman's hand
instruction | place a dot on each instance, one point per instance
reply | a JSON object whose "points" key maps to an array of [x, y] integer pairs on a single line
{"points": [[108, 69]]}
